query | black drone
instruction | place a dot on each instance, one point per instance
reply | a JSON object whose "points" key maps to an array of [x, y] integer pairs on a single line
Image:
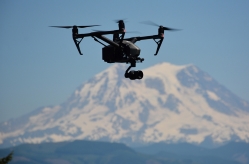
{"points": [[120, 49]]}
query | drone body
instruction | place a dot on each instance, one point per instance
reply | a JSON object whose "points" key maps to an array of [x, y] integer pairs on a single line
{"points": [[119, 49], [111, 54]]}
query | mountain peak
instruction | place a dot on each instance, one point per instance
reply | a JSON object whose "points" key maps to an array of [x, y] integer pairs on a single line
{"points": [[114, 73], [117, 70], [164, 69]]}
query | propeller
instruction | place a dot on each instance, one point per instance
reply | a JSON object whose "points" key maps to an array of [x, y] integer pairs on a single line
{"points": [[74, 26], [160, 26]]}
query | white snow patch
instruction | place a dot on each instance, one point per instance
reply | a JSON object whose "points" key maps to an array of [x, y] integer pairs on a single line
{"points": [[212, 95]]}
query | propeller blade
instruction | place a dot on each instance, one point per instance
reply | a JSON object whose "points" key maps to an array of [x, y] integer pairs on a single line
{"points": [[154, 24], [170, 29], [87, 26], [62, 26], [74, 26], [150, 23]]}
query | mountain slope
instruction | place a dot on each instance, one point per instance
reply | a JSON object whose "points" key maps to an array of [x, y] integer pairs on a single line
{"points": [[171, 104]]}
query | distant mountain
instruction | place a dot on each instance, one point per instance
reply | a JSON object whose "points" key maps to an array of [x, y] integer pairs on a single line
{"points": [[75, 152], [233, 151], [171, 104], [115, 153]]}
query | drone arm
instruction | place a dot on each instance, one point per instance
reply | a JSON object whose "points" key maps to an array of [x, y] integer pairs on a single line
{"points": [[158, 45], [135, 39], [99, 33], [98, 41], [77, 43], [105, 39]]}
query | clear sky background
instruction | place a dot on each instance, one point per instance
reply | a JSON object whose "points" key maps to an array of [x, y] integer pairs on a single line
{"points": [[40, 65]]}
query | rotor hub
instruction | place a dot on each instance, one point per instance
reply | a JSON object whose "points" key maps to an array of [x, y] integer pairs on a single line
{"points": [[121, 25]]}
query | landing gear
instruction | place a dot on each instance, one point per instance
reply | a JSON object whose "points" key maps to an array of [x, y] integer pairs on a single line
{"points": [[133, 75]]}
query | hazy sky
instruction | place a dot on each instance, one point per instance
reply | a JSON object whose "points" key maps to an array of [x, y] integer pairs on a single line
{"points": [[40, 65]]}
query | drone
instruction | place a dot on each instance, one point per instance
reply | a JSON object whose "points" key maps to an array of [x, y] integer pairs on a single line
{"points": [[119, 49]]}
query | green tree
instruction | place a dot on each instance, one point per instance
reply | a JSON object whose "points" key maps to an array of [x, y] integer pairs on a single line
{"points": [[6, 159]]}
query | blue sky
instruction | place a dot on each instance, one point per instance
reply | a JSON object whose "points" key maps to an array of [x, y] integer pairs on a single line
{"points": [[40, 66]]}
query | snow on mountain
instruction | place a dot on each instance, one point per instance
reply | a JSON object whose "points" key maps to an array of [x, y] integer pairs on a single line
{"points": [[170, 104]]}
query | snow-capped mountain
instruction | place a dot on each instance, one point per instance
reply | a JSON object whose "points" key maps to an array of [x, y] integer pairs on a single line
{"points": [[170, 104]]}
